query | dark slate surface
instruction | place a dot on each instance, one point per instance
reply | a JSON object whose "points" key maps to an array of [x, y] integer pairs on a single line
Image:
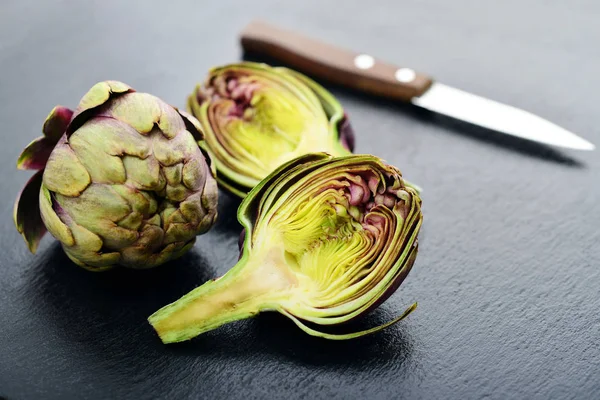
{"points": [[507, 277]]}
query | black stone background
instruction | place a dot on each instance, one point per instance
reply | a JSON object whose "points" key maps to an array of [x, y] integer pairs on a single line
{"points": [[507, 276]]}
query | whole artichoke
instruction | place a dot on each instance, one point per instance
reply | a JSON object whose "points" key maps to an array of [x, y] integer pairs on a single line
{"points": [[257, 117], [120, 181], [327, 239]]}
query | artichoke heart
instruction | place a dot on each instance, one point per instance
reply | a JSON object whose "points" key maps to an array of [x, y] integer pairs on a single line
{"points": [[120, 181], [326, 240]]}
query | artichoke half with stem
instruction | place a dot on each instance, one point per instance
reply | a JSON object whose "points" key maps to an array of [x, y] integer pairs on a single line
{"points": [[326, 240], [119, 181]]}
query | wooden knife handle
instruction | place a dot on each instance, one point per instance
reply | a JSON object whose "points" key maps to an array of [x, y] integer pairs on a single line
{"points": [[330, 63]]}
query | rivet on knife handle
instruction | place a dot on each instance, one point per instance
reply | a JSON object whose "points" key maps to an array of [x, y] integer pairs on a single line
{"points": [[327, 62]]}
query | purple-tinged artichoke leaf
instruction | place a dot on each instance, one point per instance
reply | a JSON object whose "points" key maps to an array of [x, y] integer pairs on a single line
{"points": [[346, 132], [26, 213], [36, 154], [56, 123]]}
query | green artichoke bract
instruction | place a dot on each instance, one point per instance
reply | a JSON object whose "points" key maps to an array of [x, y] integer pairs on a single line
{"points": [[120, 181], [327, 239], [256, 117]]}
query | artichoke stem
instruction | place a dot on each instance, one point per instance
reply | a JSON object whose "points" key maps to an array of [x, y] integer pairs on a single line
{"points": [[255, 284]]}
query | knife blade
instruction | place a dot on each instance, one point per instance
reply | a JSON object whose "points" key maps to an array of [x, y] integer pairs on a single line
{"points": [[365, 73]]}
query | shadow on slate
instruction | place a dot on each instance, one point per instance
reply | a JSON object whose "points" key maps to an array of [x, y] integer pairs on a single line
{"points": [[273, 334], [512, 143], [88, 306]]}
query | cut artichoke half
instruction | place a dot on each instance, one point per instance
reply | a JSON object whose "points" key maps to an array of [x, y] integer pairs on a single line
{"points": [[326, 240], [256, 117]]}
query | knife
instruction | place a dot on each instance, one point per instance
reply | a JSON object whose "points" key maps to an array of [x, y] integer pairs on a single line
{"points": [[365, 73]]}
